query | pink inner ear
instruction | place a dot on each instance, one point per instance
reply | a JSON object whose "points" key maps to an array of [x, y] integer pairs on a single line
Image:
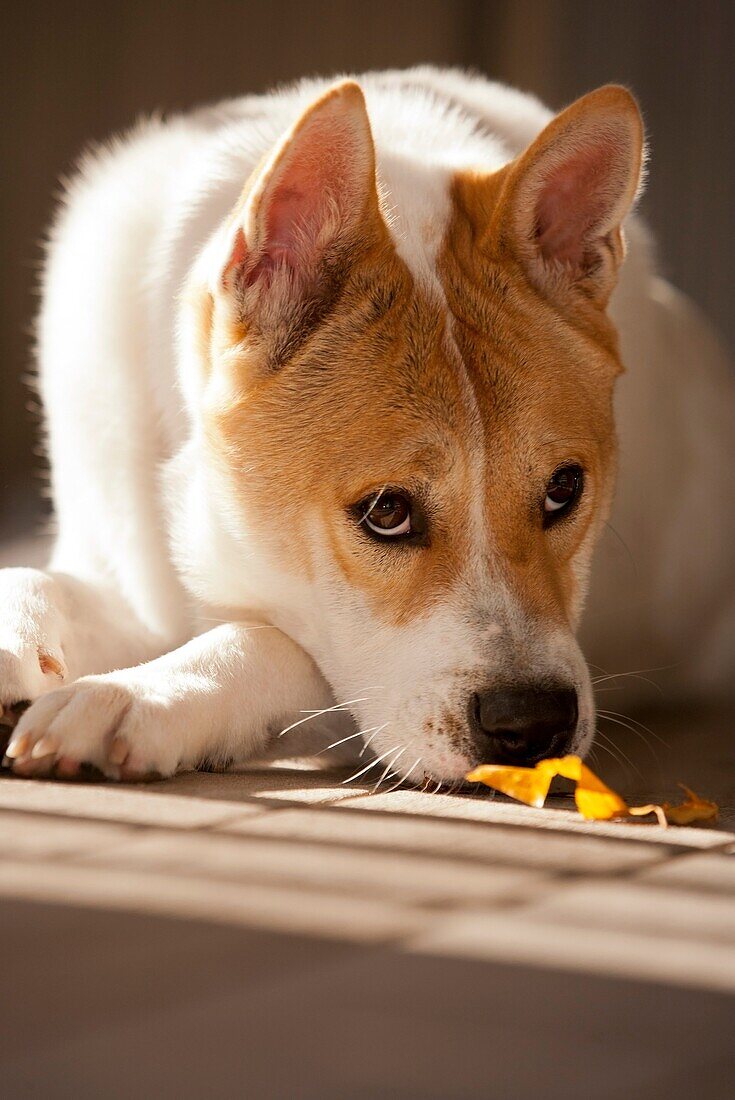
{"points": [[314, 192], [294, 212], [573, 204]]}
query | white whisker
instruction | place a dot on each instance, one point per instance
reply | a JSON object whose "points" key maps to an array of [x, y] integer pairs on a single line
{"points": [[625, 725], [344, 739], [376, 731], [317, 713], [637, 726], [404, 778], [367, 767], [637, 674], [372, 504], [622, 758], [391, 764], [604, 748]]}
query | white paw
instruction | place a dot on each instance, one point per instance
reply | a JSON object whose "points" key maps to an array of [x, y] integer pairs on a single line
{"points": [[31, 655], [27, 670], [119, 724]]}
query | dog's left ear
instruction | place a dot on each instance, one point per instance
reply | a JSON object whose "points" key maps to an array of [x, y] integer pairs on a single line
{"points": [[563, 201]]}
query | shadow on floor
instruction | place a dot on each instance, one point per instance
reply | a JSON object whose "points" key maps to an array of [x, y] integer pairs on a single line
{"points": [[121, 1005]]}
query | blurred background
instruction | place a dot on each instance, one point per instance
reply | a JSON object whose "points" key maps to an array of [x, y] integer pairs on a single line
{"points": [[73, 73]]}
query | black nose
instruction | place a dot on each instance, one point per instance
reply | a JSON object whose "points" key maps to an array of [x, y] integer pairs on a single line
{"points": [[524, 723]]}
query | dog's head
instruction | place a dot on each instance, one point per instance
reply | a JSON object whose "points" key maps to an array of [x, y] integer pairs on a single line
{"points": [[416, 458]]}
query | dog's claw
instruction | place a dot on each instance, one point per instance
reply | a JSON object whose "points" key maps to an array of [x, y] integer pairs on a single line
{"points": [[18, 747], [46, 746], [119, 750]]}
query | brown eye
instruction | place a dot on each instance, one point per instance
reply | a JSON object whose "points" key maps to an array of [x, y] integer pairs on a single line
{"points": [[388, 515], [563, 489]]}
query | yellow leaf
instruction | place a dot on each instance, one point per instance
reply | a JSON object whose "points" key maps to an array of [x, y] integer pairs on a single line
{"points": [[595, 801], [568, 767], [692, 809], [529, 785]]}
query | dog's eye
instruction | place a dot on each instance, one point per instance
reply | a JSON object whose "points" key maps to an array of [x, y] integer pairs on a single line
{"points": [[563, 489], [388, 515]]}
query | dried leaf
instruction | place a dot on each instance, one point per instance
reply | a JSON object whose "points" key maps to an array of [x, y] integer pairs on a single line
{"points": [[692, 809], [595, 801]]}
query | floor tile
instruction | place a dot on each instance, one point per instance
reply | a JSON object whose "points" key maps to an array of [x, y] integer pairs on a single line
{"points": [[31, 835], [543, 940], [408, 877], [275, 784], [710, 871], [142, 804], [643, 907], [501, 842], [231, 1012], [108, 885], [557, 816]]}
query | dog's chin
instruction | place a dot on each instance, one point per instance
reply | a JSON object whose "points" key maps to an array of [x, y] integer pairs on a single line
{"points": [[442, 775]]}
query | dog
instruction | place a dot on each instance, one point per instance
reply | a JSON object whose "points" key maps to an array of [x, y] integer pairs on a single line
{"points": [[331, 378]]}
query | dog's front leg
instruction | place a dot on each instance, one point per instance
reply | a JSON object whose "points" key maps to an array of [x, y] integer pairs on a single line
{"points": [[218, 698]]}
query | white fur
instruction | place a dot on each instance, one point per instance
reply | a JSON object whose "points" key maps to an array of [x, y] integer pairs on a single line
{"points": [[146, 556]]}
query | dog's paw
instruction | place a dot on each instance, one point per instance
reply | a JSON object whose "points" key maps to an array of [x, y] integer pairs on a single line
{"points": [[118, 725], [28, 670], [32, 658]]}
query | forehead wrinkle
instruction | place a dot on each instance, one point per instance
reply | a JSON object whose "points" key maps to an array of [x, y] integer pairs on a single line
{"points": [[477, 454]]}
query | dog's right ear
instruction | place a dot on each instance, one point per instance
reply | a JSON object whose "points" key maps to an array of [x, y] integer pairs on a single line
{"points": [[306, 205]]}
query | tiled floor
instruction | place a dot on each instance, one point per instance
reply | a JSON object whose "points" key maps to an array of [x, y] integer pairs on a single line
{"points": [[277, 933]]}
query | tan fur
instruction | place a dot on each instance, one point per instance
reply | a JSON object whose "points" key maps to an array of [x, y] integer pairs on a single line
{"points": [[543, 377], [391, 389], [316, 439]]}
